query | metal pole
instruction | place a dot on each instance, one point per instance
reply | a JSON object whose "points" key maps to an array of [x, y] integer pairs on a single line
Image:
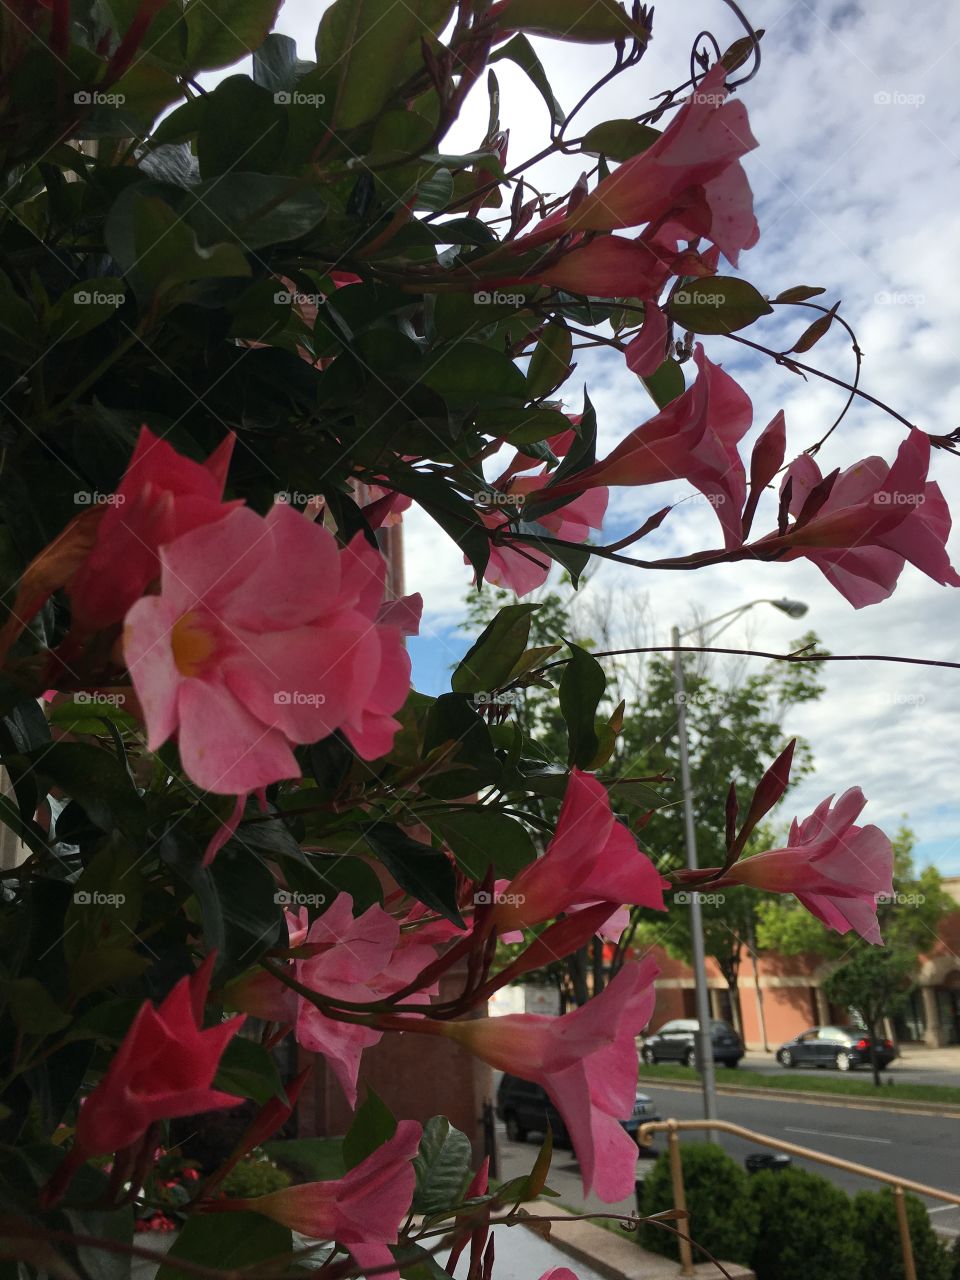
{"points": [[704, 1038], [680, 1200], [909, 1270]]}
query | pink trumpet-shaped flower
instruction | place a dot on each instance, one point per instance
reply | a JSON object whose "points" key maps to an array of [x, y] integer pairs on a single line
{"points": [[360, 960], [592, 858], [861, 526], [362, 1211], [265, 634], [835, 868], [161, 496], [694, 438], [587, 1063]]}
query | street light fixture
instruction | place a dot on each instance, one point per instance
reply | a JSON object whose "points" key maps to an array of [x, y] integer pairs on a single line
{"points": [[704, 1040]]}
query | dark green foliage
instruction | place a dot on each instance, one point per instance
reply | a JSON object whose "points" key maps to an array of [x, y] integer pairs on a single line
{"points": [[723, 1217], [876, 1226], [806, 1228]]}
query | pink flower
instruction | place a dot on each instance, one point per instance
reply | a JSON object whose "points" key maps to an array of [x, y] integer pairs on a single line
{"points": [[164, 1068], [647, 351], [360, 960], [861, 526], [835, 868], [162, 495], [587, 1063], [362, 1211], [694, 438], [592, 858], [265, 634], [698, 157]]}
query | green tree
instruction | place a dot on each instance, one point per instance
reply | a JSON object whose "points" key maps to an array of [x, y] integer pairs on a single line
{"points": [[875, 983]]}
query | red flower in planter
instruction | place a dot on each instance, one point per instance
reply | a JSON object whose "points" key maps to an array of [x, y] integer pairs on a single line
{"points": [[362, 1210], [163, 1069]]}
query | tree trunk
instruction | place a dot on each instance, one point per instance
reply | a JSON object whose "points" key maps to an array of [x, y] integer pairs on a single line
{"points": [[596, 965], [872, 1033], [577, 969]]}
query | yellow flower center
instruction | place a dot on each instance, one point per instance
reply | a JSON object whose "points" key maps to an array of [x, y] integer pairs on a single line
{"points": [[193, 644]]}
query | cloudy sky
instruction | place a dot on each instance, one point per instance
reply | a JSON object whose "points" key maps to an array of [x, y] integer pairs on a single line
{"points": [[857, 184]]}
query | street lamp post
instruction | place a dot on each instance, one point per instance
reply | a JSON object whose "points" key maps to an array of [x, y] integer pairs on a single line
{"points": [[704, 1039]]}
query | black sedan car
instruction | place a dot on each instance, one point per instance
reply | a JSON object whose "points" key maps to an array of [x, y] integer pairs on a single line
{"points": [[845, 1048], [676, 1042], [525, 1108]]}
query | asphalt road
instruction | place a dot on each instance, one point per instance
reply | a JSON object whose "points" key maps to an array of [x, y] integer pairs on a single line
{"points": [[924, 1148]]}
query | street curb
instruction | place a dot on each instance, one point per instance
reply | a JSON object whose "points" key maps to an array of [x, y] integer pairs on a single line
{"points": [[617, 1256], [905, 1106]]}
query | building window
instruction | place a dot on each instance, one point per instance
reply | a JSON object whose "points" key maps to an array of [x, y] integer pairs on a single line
{"points": [[911, 1024]]}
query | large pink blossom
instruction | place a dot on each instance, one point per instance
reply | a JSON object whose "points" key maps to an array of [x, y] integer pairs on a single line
{"points": [[357, 959], [836, 868], [362, 1211], [592, 858], [875, 517], [265, 634], [695, 438], [162, 495], [587, 1063]]}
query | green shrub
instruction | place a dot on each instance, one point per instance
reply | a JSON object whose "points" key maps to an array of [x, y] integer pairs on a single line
{"points": [[254, 1176], [723, 1218], [953, 1264], [877, 1230], [806, 1228]]}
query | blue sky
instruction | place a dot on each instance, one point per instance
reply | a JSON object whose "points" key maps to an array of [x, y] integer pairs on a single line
{"points": [[856, 182]]}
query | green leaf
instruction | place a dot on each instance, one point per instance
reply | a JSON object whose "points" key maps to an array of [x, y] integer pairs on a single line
{"points": [[720, 304], [468, 371], [97, 781], [618, 139], [219, 35], [361, 46], [247, 894], [814, 332], [481, 838], [582, 686], [454, 515], [32, 1007], [799, 293], [248, 1070], [435, 192], [666, 383], [311, 1159], [493, 655], [251, 1239], [442, 1166], [86, 305], [255, 209], [550, 362], [275, 64], [107, 899], [373, 1124], [158, 252], [423, 872], [242, 125], [521, 51]]}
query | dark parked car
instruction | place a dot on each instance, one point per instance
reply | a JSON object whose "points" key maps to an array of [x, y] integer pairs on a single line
{"points": [[675, 1042], [525, 1108], [845, 1048]]}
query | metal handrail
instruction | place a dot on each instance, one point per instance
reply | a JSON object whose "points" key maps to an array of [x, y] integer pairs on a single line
{"points": [[900, 1185]]}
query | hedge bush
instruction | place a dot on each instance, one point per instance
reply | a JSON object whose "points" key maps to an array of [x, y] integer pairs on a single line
{"points": [[254, 1176], [806, 1228], [876, 1227], [723, 1218]]}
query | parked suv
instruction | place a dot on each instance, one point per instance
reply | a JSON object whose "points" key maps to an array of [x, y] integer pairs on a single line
{"points": [[676, 1042], [525, 1108], [845, 1048]]}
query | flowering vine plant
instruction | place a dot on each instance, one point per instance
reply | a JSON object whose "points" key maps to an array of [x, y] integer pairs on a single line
{"points": [[248, 321]]}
